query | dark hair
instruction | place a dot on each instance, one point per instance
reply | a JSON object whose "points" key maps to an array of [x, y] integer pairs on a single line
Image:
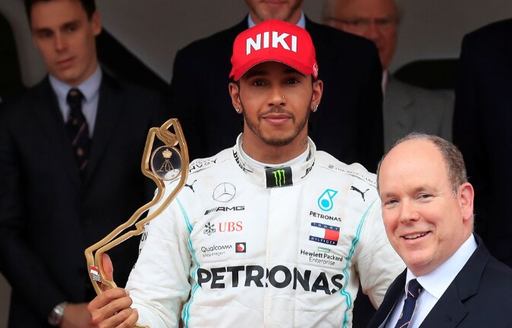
{"points": [[88, 5], [450, 153]]}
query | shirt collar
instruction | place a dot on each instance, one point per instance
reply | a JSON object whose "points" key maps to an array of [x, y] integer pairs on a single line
{"points": [[437, 281], [89, 87], [301, 22], [275, 175]]}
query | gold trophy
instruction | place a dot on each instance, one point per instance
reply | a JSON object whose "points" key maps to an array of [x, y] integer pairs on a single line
{"points": [[167, 162]]}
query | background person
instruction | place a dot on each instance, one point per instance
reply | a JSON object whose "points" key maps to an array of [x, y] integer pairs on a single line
{"points": [[70, 168], [349, 66], [481, 129]]}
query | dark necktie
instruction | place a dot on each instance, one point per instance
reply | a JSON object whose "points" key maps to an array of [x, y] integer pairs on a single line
{"points": [[413, 291], [77, 128]]}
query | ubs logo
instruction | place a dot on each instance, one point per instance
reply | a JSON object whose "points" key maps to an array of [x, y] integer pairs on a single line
{"points": [[224, 192]]}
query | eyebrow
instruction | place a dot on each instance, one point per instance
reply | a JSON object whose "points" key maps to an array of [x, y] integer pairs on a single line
{"points": [[71, 23]]}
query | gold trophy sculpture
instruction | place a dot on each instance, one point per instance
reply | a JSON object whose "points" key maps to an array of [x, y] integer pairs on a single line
{"points": [[166, 163]]}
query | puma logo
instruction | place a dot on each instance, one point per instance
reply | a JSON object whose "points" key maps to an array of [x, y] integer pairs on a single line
{"points": [[359, 191], [191, 186]]}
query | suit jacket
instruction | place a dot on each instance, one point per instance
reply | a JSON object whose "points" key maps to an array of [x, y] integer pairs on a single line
{"points": [[48, 216], [408, 108], [482, 130], [479, 296], [348, 123]]}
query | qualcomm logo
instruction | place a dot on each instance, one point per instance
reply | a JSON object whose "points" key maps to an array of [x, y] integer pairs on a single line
{"points": [[325, 200]]}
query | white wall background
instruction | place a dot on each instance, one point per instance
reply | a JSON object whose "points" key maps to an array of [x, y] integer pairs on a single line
{"points": [[155, 29]]}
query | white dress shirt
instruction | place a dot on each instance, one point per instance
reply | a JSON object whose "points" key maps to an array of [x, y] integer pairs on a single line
{"points": [[90, 88], [301, 22]]}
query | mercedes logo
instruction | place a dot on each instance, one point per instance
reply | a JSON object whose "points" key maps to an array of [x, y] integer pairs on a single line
{"points": [[224, 192]]}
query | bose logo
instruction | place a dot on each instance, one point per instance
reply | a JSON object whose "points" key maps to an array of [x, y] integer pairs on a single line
{"points": [[273, 40]]}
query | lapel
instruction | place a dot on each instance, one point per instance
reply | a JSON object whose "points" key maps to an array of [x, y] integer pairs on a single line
{"points": [[397, 107], [51, 122], [110, 113], [395, 290], [450, 310]]}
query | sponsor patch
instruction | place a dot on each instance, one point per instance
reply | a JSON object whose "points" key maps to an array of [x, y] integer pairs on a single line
{"points": [[325, 200], [279, 177], [241, 247], [323, 233]]}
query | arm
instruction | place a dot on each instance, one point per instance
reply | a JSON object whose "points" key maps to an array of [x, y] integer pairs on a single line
{"points": [[24, 270], [378, 264], [159, 283]]}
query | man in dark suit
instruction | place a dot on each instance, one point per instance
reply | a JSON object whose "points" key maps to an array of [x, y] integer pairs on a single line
{"points": [[427, 207], [348, 123], [481, 129], [70, 169]]}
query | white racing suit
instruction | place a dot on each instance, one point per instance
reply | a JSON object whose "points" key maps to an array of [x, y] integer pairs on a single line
{"points": [[245, 246]]}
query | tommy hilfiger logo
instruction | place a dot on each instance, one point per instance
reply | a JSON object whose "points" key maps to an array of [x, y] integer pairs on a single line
{"points": [[323, 233]]}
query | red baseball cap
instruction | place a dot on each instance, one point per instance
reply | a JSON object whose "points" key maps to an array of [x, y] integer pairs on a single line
{"points": [[277, 41]]}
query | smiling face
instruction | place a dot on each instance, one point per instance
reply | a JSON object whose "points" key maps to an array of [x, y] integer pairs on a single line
{"points": [[65, 37], [286, 10], [276, 101], [426, 220]]}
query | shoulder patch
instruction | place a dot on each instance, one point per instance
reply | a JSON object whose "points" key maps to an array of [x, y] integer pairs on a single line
{"points": [[201, 164], [355, 170]]}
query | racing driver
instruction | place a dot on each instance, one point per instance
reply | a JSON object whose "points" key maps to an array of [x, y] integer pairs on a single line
{"points": [[270, 232]]}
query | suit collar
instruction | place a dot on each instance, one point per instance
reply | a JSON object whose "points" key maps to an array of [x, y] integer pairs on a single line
{"points": [[109, 114], [450, 310], [393, 294], [396, 95], [46, 109]]}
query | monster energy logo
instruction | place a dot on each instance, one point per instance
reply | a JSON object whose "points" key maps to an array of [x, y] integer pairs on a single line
{"points": [[279, 177]]}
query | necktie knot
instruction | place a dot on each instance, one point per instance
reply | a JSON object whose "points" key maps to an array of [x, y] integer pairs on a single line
{"points": [[414, 289], [74, 98]]}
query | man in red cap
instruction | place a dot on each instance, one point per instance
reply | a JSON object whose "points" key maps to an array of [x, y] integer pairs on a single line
{"points": [[270, 232]]}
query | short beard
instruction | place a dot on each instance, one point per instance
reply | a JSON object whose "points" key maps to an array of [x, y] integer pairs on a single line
{"points": [[277, 142]]}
